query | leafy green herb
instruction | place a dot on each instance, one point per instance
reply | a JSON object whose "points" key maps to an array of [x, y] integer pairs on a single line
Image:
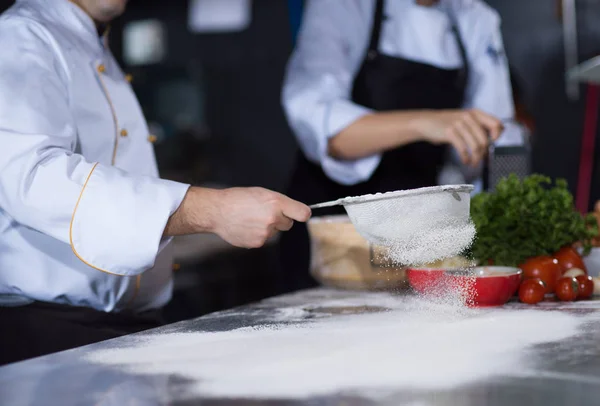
{"points": [[524, 219]]}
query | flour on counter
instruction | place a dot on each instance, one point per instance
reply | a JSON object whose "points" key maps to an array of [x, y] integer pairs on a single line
{"points": [[416, 344], [290, 314]]}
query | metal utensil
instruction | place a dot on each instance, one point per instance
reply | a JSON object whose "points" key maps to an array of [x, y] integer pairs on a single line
{"points": [[502, 161], [398, 217]]}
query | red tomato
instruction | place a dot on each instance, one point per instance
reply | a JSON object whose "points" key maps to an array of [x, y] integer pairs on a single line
{"points": [[567, 289], [532, 291], [568, 258], [586, 286], [544, 268]]}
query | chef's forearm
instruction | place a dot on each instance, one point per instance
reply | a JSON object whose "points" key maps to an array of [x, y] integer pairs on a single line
{"points": [[375, 133], [196, 214]]}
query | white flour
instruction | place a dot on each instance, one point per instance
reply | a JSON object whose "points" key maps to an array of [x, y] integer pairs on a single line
{"points": [[420, 225], [430, 245], [417, 345]]}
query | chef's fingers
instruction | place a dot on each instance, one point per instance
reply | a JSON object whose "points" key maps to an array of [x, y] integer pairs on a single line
{"points": [[491, 123], [294, 210], [481, 138], [470, 140], [283, 223], [459, 144], [480, 133]]}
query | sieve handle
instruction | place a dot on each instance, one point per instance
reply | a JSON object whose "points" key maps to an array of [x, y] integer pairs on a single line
{"points": [[326, 204]]}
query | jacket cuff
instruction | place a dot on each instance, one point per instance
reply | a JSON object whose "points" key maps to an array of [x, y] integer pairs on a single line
{"points": [[338, 116], [118, 222]]}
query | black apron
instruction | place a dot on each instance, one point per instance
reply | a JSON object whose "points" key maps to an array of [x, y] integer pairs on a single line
{"points": [[41, 328], [383, 83]]}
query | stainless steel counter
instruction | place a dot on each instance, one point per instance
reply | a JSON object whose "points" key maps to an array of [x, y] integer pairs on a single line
{"points": [[569, 372]]}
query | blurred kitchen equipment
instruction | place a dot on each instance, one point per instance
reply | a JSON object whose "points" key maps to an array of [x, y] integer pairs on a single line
{"points": [[569, 23], [587, 72], [342, 258], [219, 16], [406, 219], [144, 42], [506, 160]]}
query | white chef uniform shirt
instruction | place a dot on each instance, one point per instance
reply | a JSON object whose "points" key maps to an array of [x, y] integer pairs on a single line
{"points": [[82, 210], [331, 47]]}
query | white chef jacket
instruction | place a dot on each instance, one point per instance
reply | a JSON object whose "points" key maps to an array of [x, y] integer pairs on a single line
{"points": [[331, 47], [82, 210]]}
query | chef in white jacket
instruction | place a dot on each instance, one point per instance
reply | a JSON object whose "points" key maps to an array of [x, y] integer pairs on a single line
{"points": [[389, 95], [85, 220]]}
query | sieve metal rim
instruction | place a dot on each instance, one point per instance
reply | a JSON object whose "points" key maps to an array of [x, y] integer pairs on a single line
{"points": [[352, 200]]}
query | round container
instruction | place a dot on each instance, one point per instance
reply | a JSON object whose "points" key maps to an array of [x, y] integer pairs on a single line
{"points": [[426, 280], [431, 278], [342, 258], [478, 286]]}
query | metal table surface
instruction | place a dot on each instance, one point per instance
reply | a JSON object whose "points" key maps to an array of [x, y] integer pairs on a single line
{"points": [[569, 371]]}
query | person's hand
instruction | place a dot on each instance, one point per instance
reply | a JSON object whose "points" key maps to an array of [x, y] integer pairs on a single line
{"points": [[468, 131], [248, 217], [244, 217]]}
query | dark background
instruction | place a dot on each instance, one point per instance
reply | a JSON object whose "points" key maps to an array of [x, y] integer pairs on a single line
{"points": [[241, 138]]}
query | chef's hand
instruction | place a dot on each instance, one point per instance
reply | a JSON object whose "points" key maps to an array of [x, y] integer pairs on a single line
{"points": [[244, 217], [468, 131], [250, 216]]}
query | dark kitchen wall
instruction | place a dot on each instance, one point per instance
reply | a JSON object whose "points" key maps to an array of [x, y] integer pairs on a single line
{"points": [[533, 39], [240, 76]]}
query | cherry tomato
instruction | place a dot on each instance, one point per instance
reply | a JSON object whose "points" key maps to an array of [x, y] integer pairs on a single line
{"points": [[569, 258], [532, 291], [586, 287], [567, 289], [544, 268]]}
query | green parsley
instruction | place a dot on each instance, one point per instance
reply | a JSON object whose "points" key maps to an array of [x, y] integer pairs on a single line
{"points": [[526, 218]]}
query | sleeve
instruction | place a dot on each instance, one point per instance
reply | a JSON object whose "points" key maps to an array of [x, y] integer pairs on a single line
{"points": [[317, 89], [489, 87], [113, 220]]}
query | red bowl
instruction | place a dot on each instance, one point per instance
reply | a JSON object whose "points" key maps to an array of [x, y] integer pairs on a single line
{"points": [[426, 281], [480, 286]]}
